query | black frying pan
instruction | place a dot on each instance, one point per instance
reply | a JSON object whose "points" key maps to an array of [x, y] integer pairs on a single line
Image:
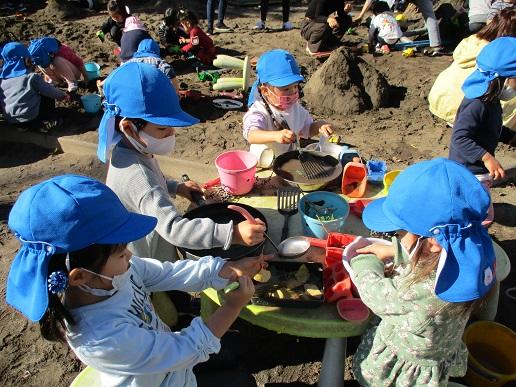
{"points": [[219, 213]]}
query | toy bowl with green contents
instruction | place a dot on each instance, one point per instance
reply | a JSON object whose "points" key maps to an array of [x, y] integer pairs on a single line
{"points": [[291, 284], [322, 212]]}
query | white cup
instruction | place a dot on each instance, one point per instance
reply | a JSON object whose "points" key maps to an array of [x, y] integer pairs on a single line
{"points": [[263, 153]]}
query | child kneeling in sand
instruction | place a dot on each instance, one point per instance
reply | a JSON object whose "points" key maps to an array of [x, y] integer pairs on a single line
{"points": [[275, 116], [198, 43], [74, 275]]}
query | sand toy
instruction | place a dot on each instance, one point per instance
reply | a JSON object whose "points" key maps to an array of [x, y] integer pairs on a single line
{"points": [[354, 180]]}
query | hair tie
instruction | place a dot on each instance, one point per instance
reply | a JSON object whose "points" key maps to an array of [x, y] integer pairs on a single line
{"points": [[57, 282]]}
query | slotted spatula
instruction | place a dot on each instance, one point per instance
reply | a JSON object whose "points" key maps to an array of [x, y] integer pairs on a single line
{"points": [[288, 199]]}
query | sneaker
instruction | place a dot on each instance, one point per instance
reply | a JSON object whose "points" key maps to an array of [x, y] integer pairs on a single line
{"points": [[209, 31], [385, 49], [260, 25], [51, 124], [221, 27], [287, 26], [434, 51]]}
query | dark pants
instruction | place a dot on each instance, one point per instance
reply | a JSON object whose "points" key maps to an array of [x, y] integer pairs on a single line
{"points": [[116, 34], [475, 27], [264, 8], [47, 111], [320, 36], [210, 12], [374, 38]]}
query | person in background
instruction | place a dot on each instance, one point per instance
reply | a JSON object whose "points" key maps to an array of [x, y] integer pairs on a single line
{"points": [[148, 52], [325, 23], [497, 6], [446, 95], [170, 30], [221, 12], [58, 62], [432, 26], [27, 101], [75, 276], [384, 30], [264, 8], [477, 14], [478, 126], [114, 25], [134, 33], [445, 266], [275, 117], [198, 44]]}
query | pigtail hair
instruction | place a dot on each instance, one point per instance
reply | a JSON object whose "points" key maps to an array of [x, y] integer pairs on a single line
{"points": [[53, 324]]}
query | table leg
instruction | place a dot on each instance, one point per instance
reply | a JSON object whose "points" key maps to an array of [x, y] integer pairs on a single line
{"points": [[333, 363]]}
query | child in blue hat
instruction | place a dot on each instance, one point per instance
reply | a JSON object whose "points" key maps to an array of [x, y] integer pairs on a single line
{"points": [[142, 115], [445, 267], [275, 116], [478, 125], [74, 275], [26, 99]]}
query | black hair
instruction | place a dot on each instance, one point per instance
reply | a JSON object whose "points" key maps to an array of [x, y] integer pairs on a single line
{"points": [[119, 7], [494, 89], [53, 323], [171, 17], [380, 7], [189, 16]]}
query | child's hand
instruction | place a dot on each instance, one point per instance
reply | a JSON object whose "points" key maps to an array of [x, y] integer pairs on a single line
{"points": [[348, 7], [184, 189], [383, 252], [494, 167], [247, 233], [249, 266], [285, 136], [240, 297], [332, 22], [183, 40], [327, 130]]}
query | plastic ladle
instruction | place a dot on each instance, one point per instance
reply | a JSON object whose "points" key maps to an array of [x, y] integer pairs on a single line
{"points": [[290, 248]]}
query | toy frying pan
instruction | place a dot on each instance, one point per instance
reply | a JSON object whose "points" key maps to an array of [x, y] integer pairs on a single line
{"points": [[227, 104]]}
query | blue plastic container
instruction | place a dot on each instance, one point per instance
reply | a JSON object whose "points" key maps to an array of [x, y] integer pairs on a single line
{"points": [[91, 103], [376, 170], [93, 70], [319, 228]]}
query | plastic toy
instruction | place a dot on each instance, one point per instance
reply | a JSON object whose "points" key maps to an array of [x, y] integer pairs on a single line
{"points": [[376, 170], [354, 180]]}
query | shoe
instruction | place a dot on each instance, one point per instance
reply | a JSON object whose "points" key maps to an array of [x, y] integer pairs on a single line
{"points": [[434, 51], [287, 26], [260, 25], [221, 27], [209, 31], [51, 124], [385, 49]]}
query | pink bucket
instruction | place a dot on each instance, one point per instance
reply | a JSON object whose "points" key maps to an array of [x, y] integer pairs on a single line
{"points": [[236, 171]]}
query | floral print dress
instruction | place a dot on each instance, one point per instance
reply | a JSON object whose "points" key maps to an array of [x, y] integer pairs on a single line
{"points": [[415, 338]]}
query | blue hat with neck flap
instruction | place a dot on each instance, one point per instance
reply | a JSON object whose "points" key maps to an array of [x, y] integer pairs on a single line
{"points": [[147, 48], [14, 55]]}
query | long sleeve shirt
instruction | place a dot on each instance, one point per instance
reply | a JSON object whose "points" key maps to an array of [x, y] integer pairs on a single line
{"points": [[319, 10], [200, 45], [123, 338], [141, 186], [477, 130], [21, 96]]}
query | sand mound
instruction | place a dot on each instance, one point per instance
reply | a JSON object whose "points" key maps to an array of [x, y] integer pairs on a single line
{"points": [[345, 84], [62, 10]]}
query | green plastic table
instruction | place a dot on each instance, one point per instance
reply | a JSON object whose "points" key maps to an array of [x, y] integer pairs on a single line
{"points": [[321, 322]]}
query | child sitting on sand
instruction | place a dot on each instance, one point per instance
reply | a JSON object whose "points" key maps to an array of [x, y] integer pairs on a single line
{"points": [[58, 62], [198, 43], [134, 33], [478, 125], [148, 52], [416, 340], [170, 30], [25, 98], [384, 30], [142, 116], [275, 116], [114, 26], [74, 275]]}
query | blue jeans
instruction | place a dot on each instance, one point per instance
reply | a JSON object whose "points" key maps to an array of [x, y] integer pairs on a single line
{"points": [[210, 12]]}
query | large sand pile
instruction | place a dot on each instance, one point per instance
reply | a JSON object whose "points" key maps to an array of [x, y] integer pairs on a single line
{"points": [[345, 84]]}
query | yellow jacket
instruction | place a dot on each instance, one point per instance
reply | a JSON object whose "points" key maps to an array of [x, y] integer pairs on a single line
{"points": [[446, 93]]}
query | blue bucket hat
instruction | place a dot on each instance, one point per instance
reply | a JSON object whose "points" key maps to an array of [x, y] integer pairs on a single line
{"points": [[14, 55], [60, 215], [147, 48], [497, 59], [442, 199], [138, 90], [277, 68], [40, 50]]}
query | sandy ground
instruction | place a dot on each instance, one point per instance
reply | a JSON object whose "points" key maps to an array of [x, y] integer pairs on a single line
{"points": [[402, 133]]}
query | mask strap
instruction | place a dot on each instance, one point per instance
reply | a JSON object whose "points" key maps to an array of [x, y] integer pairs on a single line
{"points": [[97, 274], [136, 144]]}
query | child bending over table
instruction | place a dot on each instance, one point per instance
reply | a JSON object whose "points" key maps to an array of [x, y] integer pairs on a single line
{"points": [[142, 115], [74, 275], [446, 268], [275, 116]]}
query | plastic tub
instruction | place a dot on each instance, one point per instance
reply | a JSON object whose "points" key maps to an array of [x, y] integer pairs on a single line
{"points": [[320, 228], [93, 70], [91, 102], [237, 171], [492, 359], [388, 179]]}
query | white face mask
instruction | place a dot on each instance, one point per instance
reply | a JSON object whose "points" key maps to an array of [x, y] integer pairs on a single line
{"points": [[507, 93], [155, 146], [117, 281]]}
